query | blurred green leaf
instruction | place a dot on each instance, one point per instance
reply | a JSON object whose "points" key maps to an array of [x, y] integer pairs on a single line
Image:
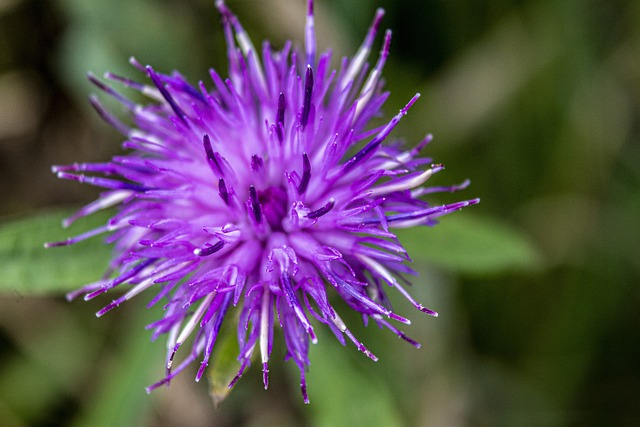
{"points": [[471, 244], [103, 34], [343, 393], [51, 360], [30, 269], [121, 400], [224, 365]]}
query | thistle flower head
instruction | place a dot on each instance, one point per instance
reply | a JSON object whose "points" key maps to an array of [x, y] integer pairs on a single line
{"points": [[260, 198]]}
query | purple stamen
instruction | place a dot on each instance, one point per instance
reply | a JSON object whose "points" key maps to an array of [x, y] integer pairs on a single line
{"points": [[375, 142], [133, 272], [322, 211], [280, 117], [133, 61], [157, 81], [223, 192], [257, 162], [211, 156], [213, 335], [209, 249], [441, 189], [93, 79], [102, 182], [375, 26], [306, 174], [108, 117], [308, 91], [255, 204], [78, 238], [423, 213], [127, 82], [303, 388]]}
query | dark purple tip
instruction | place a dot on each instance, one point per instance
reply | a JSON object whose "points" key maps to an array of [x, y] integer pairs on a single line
{"points": [[206, 142], [127, 82], [94, 294], [58, 244], [322, 211], [211, 155], [365, 151], [107, 116], [411, 341], [209, 249], [303, 389], [223, 192], [157, 81], [375, 26], [108, 308], [306, 174], [377, 140], [256, 162], [170, 362], [255, 204], [416, 150], [308, 91], [133, 61], [238, 375], [280, 117], [103, 87], [93, 79], [265, 375], [399, 318], [203, 366], [427, 311]]}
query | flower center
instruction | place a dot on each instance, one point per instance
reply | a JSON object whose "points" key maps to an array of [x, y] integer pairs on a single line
{"points": [[273, 201]]}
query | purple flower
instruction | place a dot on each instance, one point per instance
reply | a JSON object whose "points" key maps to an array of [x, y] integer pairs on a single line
{"points": [[259, 200]]}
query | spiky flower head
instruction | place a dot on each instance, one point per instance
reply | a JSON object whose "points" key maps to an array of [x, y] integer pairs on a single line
{"points": [[260, 199]]}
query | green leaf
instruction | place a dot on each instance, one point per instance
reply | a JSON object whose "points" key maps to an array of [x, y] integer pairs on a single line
{"points": [[103, 34], [342, 392], [52, 357], [224, 365], [135, 362], [30, 269], [470, 244]]}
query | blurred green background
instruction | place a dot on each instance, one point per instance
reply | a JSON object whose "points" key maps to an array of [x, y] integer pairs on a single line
{"points": [[536, 101]]}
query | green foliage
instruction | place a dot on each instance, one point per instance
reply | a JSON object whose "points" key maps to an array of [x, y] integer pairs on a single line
{"points": [[224, 364], [30, 269], [472, 245], [103, 34], [343, 390], [120, 399]]}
